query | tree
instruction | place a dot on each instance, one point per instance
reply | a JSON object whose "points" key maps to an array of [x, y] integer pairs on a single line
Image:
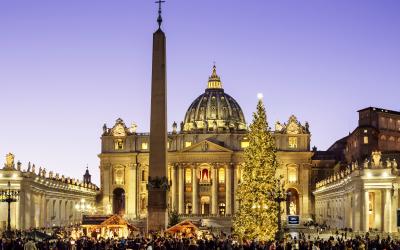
{"points": [[173, 218], [257, 214]]}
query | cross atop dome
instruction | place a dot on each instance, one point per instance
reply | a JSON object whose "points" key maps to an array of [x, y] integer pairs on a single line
{"points": [[214, 81]]}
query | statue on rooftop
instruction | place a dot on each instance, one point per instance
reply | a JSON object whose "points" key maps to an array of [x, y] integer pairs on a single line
{"points": [[104, 128], [133, 128], [376, 158], [174, 127], [9, 161]]}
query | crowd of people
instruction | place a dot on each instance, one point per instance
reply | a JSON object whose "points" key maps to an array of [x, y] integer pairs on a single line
{"points": [[21, 241]]}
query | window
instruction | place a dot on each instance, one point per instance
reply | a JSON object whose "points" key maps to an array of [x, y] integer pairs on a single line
{"points": [[188, 144], [145, 146], [221, 175], [365, 139], [119, 176], [143, 175], [292, 142], [188, 176], [244, 144], [204, 176], [292, 174], [119, 144]]}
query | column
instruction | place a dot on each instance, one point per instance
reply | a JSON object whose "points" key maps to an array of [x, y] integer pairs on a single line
{"points": [[134, 190], [357, 210], [366, 211], [235, 187], [181, 192], [32, 210], [228, 189], [107, 181], [27, 209], [214, 190], [139, 168], [387, 217], [395, 202], [174, 188], [195, 191]]}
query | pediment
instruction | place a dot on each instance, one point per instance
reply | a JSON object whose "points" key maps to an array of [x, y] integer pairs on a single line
{"points": [[207, 146]]}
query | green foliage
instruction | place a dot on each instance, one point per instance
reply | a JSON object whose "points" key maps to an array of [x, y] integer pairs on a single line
{"points": [[257, 214], [173, 218]]}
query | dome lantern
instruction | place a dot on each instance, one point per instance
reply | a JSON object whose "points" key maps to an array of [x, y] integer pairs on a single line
{"points": [[214, 82]]}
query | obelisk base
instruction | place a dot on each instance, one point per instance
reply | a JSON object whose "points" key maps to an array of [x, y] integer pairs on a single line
{"points": [[157, 213]]}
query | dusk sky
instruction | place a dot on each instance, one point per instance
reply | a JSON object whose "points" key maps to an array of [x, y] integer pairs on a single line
{"points": [[68, 67]]}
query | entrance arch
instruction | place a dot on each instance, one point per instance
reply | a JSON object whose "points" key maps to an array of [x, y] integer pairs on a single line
{"points": [[119, 201], [292, 202]]}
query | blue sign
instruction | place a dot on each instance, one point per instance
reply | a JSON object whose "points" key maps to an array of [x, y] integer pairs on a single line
{"points": [[293, 220]]}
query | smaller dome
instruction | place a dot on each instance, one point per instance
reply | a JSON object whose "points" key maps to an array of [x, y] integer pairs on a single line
{"points": [[214, 110]]}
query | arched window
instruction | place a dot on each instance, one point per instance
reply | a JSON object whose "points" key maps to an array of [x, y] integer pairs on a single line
{"points": [[221, 175], [188, 176], [205, 175], [188, 208], [292, 202]]}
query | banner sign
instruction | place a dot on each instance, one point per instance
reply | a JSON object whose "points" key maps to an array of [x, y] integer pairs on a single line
{"points": [[295, 219]]}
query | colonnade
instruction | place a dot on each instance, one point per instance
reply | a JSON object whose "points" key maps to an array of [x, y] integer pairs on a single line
{"points": [[362, 209]]}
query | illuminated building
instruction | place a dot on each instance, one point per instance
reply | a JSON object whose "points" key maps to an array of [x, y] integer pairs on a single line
{"points": [[205, 157], [363, 191], [45, 199]]}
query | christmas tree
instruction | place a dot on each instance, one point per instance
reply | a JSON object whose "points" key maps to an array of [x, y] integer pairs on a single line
{"points": [[257, 215]]}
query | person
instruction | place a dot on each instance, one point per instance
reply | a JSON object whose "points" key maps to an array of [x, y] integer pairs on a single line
{"points": [[30, 245]]}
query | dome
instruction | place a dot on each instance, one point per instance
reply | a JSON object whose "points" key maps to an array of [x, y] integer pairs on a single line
{"points": [[214, 110]]}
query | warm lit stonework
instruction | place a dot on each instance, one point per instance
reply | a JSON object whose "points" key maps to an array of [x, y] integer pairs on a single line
{"points": [[364, 196], [205, 157], [46, 199]]}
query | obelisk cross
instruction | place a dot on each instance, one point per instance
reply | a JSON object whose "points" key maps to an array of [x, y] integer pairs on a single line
{"points": [[159, 19]]}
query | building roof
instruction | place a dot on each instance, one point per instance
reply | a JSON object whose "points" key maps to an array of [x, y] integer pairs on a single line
{"points": [[381, 110], [94, 219]]}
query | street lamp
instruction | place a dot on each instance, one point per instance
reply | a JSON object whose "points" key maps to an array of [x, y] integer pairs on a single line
{"points": [[9, 196], [280, 196]]}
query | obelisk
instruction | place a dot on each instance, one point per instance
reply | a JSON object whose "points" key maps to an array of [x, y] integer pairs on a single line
{"points": [[157, 214]]}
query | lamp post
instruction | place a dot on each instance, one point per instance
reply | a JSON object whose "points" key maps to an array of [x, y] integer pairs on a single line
{"points": [[280, 196], [9, 196]]}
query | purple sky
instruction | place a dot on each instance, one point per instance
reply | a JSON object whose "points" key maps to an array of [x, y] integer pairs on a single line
{"points": [[67, 67]]}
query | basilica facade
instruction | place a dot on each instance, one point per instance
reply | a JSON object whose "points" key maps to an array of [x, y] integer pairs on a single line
{"points": [[205, 159]]}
